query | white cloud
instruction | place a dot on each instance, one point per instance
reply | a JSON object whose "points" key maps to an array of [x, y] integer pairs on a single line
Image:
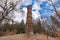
{"points": [[27, 2], [42, 1], [36, 6], [58, 8], [25, 10], [35, 14], [25, 14], [17, 16]]}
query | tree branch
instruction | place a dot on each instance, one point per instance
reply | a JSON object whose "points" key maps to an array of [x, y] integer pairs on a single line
{"points": [[2, 7], [12, 6]]}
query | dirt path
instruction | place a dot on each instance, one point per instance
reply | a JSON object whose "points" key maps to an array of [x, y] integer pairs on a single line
{"points": [[24, 37]]}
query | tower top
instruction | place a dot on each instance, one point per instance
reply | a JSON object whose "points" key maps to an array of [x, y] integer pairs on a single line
{"points": [[29, 6]]}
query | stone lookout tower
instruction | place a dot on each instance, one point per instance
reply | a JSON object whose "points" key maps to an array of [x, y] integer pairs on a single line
{"points": [[29, 19]]}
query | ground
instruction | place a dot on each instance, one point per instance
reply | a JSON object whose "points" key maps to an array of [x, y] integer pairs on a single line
{"points": [[25, 37]]}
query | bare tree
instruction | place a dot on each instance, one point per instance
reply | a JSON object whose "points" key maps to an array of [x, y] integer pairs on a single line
{"points": [[56, 18], [8, 9]]}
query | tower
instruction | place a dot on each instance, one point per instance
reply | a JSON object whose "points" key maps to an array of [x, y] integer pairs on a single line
{"points": [[29, 19]]}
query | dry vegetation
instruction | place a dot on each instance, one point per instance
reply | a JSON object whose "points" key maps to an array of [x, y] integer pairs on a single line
{"points": [[25, 37]]}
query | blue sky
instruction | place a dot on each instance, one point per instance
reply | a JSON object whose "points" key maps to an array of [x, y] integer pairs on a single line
{"points": [[46, 8], [40, 8]]}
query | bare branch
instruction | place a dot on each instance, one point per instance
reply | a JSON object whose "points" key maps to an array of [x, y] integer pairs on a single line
{"points": [[2, 7], [5, 3], [12, 7]]}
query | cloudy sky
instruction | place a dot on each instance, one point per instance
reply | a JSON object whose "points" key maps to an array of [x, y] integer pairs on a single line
{"points": [[40, 9]]}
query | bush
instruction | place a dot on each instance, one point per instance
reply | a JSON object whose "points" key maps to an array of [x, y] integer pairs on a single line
{"points": [[12, 29]]}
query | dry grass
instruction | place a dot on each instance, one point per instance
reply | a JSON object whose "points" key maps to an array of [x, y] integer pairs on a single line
{"points": [[25, 37]]}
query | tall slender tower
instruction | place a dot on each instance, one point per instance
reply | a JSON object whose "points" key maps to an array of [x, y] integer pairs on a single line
{"points": [[29, 19]]}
